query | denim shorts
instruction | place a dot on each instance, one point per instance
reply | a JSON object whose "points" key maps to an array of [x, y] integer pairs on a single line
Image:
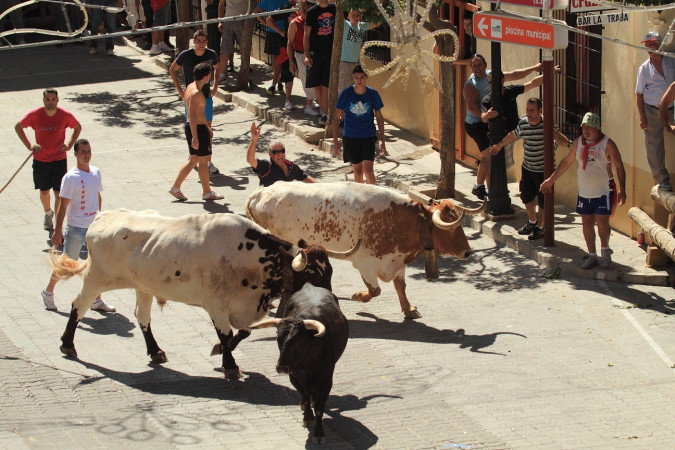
{"points": [[73, 240]]}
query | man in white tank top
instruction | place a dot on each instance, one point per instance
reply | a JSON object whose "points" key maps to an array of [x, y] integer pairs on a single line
{"points": [[598, 193]]}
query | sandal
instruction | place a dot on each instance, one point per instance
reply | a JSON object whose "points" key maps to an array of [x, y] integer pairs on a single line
{"points": [[212, 196], [178, 194]]}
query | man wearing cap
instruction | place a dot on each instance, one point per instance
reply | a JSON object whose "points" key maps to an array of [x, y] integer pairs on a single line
{"points": [[667, 109], [653, 78], [598, 193]]}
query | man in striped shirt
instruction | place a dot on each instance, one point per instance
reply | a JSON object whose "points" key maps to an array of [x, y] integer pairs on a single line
{"points": [[531, 130]]}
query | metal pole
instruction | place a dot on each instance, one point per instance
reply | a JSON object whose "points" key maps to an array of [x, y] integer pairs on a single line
{"points": [[549, 158], [499, 202]]}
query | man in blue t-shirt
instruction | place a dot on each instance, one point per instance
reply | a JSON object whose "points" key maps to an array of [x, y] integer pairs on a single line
{"points": [[358, 105]]}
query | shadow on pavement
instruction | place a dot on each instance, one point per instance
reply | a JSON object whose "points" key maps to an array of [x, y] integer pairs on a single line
{"points": [[416, 331], [255, 389], [71, 59]]}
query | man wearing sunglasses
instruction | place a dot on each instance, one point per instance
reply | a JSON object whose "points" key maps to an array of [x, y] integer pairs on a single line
{"points": [[278, 168]]}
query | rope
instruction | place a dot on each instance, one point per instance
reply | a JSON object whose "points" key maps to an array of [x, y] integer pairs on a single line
{"points": [[17, 171]]}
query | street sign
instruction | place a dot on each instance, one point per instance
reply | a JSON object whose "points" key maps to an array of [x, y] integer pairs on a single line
{"points": [[504, 27], [577, 6], [552, 4], [601, 19]]}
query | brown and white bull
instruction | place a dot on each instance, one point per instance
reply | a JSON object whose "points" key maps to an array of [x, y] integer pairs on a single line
{"points": [[224, 263], [393, 229]]}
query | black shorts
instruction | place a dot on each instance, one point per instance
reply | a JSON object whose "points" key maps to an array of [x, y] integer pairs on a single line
{"points": [[286, 74], [530, 182], [319, 73], [273, 43], [48, 175], [479, 133], [204, 140], [357, 150]]}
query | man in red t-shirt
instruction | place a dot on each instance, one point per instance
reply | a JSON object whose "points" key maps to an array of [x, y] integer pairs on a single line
{"points": [[49, 150]]}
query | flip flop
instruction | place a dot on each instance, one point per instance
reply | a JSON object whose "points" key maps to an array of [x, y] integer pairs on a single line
{"points": [[212, 196], [178, 194]]}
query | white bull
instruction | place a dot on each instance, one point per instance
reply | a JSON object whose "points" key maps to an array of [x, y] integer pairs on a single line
{"points": [[393, 229], [224, 263]]}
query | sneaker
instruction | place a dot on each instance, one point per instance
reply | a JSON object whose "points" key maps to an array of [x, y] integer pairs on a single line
{"points": [[48, 300], [164, 48], [665, 186], [527, 228], [311, 111], [100, 305], [280, 88], [271, 91], [288, 106], [323, 119], [110, 52], [49, 220], [315, 104], [606, 257], [155, 50], [537, 233], [480, 192], [591, 261], [230, 67], [169, 45], [213, 169], [93, 50]]}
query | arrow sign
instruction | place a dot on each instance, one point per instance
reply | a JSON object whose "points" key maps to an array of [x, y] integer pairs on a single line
{"points": [[504, 27]]}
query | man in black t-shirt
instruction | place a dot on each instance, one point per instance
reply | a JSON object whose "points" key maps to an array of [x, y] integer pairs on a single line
{"points": [[318, 42], [278, 168]]}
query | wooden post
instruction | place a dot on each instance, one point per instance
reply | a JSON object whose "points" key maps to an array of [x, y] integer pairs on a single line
{"points": [[430, 264]]}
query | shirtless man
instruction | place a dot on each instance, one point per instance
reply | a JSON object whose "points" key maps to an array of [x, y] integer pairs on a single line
{"points": [[198, 134]]}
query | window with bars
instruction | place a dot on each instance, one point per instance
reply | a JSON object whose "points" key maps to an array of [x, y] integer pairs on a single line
{"points": [[578, 90], [379, 54]]}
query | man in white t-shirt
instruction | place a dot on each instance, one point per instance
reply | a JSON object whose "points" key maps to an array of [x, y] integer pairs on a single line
{"points": [[80, 196]]}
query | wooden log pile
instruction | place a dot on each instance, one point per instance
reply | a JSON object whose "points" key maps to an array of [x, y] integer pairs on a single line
{"points": [[660, 236]]}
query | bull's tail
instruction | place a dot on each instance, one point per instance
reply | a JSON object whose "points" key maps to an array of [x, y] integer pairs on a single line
{"points": [[65, 267]]}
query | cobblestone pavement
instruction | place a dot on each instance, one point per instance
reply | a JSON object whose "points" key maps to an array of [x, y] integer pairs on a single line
{"points": [[506, 354]]}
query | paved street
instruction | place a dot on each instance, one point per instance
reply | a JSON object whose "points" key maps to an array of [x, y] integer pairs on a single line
{"points": [[506, 355]]}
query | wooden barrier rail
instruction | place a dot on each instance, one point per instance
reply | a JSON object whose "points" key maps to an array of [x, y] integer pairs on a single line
{"points": [[660, 236]]}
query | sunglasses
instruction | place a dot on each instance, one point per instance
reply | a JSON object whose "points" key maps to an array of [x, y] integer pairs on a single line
{"points": [[276, 152]]}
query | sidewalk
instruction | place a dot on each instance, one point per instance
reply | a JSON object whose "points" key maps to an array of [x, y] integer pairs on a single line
{"points": [[419, 180]]}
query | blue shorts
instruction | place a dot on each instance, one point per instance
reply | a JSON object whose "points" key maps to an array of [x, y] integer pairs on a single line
{"points": [[601, 206], [73, 240], [208, 109]]}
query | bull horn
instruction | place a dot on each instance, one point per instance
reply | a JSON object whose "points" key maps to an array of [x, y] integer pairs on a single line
{"points": [[299, 262], [266, 324], [474, 211], [344, 255], [436, 219], [315, 325]]}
